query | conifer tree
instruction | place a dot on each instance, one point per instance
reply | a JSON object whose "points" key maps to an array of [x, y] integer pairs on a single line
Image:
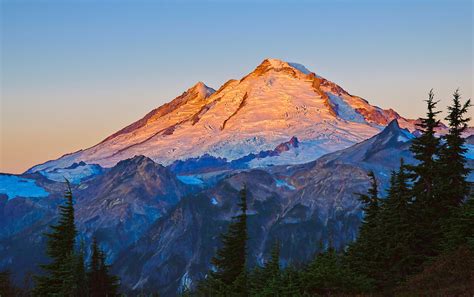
{"points": [[459, 230], [426, 180], [371, 202], [60, 276], [95, 281], [272, 268], [291, 282], [80, 270], [396, 222], [455, 187], [364, 253], [425, 149], [266, 280], [230, 259], [328, 275], [101, 283]]}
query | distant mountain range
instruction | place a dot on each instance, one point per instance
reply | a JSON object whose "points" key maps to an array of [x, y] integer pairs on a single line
{"points": [[158, 193]]}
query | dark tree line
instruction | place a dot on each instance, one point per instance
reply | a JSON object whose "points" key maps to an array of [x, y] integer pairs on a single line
{"points": [[428, 211]]}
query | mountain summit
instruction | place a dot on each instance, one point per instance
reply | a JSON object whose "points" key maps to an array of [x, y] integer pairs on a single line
{"points": [[269, 106]]}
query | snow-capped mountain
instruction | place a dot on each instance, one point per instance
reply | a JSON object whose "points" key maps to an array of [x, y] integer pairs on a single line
{"points": [[269, 106]]}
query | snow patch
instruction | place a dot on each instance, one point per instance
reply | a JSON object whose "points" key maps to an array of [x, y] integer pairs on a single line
{"points": [[14, 186], [75, 174], [185, 283], [402, 139], [190, 180], [282, 183], [345, 111], [408, 134], [300, 68]]}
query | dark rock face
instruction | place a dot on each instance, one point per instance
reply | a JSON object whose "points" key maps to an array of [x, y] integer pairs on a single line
{"points": [[178, 248], [202, 164], [121, 204]]}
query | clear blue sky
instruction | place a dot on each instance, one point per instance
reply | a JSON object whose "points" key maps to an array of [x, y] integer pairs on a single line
{"points": [[74, 72]]}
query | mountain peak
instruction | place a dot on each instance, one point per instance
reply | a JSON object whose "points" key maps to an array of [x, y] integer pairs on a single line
{"points": [[394, 132], [280, 65], [136, 160], [201, 89], [276, 63], [393, 125]]}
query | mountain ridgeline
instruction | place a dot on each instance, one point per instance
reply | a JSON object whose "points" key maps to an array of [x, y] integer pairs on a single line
{"points": [[277, 184]]}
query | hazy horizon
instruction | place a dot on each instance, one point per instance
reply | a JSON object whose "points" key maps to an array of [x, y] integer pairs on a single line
{"points": [[74, 72]]}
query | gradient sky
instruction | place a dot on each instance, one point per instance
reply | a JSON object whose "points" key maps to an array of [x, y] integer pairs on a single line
{"points": [[73, 72]]}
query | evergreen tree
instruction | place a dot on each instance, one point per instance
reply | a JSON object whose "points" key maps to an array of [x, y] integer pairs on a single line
{"points": [[455, 187], [266, 280], [459, 230], [291, 285], [371, 202], [111, 281], [425, 149], [426, 177], [101, 283], [95, 281], [396, 222], [80, 269], [230, 259], [328, 275], [60, 276], [364, 254], [272, 268]]}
